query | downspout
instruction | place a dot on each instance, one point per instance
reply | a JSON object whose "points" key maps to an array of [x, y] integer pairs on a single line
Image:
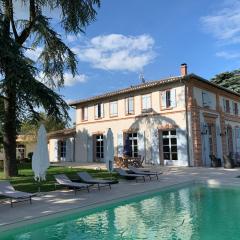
{"points": [[187, 122]]}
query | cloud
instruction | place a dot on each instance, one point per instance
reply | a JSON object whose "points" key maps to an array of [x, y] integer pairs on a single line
{"points": [[69, 80], [224, 24], [228, 55], [33, 54], [117, 52]]}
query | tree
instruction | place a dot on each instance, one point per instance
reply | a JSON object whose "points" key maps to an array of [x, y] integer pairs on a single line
{"points": [[21, 92], [230, 80]]}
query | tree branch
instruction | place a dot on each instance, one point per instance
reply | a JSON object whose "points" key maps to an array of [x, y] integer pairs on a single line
{"points": [[12, 19], [32, 17]]}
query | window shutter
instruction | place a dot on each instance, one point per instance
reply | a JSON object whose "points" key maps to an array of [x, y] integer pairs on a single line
{"points": [[104, 148], [68, 150], [55, 144], [141, 143], [163, 100], [155, 146], [173, 98], [96, 111], [90, 149], [102, 110], [120, 144]]}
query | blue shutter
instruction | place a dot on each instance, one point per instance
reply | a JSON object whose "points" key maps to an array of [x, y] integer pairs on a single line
{"points": [[90, 149], [173, 98], [155, 146], [141, 143], [120, 144], [163, 100]]}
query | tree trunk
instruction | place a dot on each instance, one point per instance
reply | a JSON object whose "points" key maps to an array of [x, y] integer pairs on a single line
{"points": [[9, 131]]}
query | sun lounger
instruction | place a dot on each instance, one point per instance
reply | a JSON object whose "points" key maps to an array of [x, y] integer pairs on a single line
{"points": [[147, 173], [87, 178], [7, 190], [124, 173], [63, 180]]}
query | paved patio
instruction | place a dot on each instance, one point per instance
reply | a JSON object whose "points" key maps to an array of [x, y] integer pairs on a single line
{"points": [[56, 203]]}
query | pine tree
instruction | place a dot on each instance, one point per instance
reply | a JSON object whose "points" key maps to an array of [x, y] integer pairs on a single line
{"points": [[230, 80], [21, 93]]}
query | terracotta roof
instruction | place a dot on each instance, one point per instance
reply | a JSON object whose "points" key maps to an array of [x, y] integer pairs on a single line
{"points": [[62, 133], [147, 85]]}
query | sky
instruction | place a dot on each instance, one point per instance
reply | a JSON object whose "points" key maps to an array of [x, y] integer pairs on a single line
{"points": [[151, 37]]}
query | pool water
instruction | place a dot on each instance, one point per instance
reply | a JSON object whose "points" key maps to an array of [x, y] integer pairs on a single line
{"points": [[190, 212]]}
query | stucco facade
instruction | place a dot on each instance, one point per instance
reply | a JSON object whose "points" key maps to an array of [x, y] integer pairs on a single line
{"points": [[177, 121]]}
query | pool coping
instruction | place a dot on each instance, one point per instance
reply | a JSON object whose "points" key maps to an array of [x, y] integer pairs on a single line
{"points": [[101, 203], [105, 203]]}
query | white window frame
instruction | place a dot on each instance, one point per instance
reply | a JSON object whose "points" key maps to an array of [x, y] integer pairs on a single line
{"points": [[129, 111], [84, 113], [170, 144], [168, 98], [148, 104], [133, 136], [99, 138], [99, 110], [113, 108]]}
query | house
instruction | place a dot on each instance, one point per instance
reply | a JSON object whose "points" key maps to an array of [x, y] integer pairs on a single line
{"points": [[178, 121]]}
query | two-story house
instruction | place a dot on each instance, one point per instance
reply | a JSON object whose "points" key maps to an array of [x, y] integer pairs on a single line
{"points": [[175, 121]]}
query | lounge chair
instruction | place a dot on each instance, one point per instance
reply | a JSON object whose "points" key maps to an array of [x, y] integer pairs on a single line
{"points": [[124, 173], [146, 173], [63, 180], [87, 178], [7, 190]]}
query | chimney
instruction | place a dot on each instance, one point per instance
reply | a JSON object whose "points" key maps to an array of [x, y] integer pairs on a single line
{"points": [[183, 69]]}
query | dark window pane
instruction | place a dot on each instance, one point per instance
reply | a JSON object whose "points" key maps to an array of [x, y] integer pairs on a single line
{"points": [[173, 141], [134, 134], [173, 132], [165, 133], [174, 148], [166, 149], [166, 156], [165, 141], [174, 156]]}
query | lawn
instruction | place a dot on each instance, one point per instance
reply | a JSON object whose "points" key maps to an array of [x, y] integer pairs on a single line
{"points": [[25, 181]]}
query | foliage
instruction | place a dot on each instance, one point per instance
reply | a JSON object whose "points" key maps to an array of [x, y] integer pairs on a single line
{"points": [[25, 181], [21, 92], [230, 80]]}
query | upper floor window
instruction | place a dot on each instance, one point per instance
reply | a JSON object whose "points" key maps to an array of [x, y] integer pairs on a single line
{"points": [[146, 102], [235, 108], [206, 101], [84, 113], [226, 105], [99, 111], [129, 105], [113, 108], [168, 99]]}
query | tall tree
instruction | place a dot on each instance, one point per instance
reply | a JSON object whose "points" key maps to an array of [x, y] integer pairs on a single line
{"points": [[230, 80], [21, 92]]}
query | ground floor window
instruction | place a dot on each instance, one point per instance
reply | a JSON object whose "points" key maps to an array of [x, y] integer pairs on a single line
{"points": [[131, 144], [229, 139], [62, 145], [99, 146], [21, 151], [169, 142]]}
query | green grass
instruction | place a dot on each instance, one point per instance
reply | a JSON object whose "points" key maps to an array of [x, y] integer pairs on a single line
{"points": [[25, 181]]}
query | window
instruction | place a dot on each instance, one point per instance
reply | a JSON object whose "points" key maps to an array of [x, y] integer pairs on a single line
{"points": [[210, 139], [235, 108], [226, 105], [99, 146], [113, 108], [146, 102], [206, 101], [169, 142], [129, 105], [99, 112], [168, 99], [84, 114], [131, 144], [20, 149], [62, 145]]}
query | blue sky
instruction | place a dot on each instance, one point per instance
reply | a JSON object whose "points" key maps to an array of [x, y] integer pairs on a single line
{"points": [[153, 37]]}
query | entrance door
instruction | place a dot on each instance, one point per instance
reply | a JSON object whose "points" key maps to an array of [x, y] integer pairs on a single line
{"points": [[99, 148]]}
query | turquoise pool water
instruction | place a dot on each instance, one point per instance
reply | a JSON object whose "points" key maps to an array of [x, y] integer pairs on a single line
{"points": [[192, 212]]}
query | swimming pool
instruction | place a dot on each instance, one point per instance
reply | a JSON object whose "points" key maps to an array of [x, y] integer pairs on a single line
{"points": [[190, 212]]}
